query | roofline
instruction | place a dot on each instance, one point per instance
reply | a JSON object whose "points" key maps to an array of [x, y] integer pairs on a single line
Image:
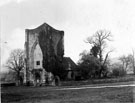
{"points": [[41, 26], [71, 59]]}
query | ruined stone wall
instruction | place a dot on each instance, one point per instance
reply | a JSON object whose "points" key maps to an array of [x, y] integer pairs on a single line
{"points": [[51, 43]]}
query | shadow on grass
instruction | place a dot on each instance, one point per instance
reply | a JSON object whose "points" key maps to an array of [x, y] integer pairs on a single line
{"points": [[8, 97]]}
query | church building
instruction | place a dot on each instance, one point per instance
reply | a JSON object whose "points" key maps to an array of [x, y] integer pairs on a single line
{"points": [[44, 46]]}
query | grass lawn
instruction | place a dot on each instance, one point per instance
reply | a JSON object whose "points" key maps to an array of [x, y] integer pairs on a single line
{"points": [[50, 95], [126, 78]]}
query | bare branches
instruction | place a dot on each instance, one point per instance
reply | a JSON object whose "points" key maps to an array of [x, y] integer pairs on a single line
{"points": [[90, 40], [126, 60], [16, 60], [107, 56], [99, 39]]}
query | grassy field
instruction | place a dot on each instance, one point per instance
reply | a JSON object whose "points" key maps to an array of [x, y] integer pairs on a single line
{"points": [[100, 81], [51, 95]]}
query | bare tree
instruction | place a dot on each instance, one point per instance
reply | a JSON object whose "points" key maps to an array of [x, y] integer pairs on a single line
{"points": [[15, 62], [132, 60], [99, 43], [126, 61], [99, 40], [106, 57]]}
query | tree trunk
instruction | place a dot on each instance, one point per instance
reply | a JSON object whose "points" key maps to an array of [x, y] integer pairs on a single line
{"points": [[18, 78], [100, 56]]}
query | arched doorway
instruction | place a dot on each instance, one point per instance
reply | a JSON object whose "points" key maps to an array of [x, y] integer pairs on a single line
{"points": [[37, 77]]}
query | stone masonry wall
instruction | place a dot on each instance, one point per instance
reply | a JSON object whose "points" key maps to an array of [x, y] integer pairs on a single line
{"points": [[51, 44]]}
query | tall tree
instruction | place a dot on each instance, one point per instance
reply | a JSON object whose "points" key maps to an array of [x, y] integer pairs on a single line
{"points": [[126, 61], [99, 42], [131, 59], [15, 62]]}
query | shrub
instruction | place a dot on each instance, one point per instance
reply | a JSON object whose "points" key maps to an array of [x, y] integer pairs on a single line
{"points": [[118, 72], [115, 72], [89, 67]]}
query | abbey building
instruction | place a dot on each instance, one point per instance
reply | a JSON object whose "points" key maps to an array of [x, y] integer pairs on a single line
{"points": [[44, 46]]}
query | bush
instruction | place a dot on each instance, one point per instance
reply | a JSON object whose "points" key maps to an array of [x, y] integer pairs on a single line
{"points": [[118, 72], [115, 72], [122, 72], [89, 67], [60, 71]]}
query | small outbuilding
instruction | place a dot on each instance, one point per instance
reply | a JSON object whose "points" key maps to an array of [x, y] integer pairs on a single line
{"points": [[70, 67]]}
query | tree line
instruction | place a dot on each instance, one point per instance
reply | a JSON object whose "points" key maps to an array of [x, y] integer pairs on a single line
{"points": [[93, 65]]}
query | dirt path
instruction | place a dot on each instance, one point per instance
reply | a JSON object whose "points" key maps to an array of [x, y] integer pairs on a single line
{"points": [[93, 87]]}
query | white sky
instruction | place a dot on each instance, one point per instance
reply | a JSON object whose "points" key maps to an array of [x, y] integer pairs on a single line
{"points": [[78, 18]]}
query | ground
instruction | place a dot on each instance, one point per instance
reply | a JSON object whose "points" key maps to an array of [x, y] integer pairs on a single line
{"points": [[56, 95]]}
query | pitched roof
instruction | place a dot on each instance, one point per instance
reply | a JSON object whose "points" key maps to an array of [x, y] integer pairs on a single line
{"points": [[67, 61]]}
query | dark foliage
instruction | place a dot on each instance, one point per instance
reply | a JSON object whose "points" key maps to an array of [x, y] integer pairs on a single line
{"points": [[99, 43], [52, 50], [118, 72], [94, 51], [60, 70], [89, 66]]}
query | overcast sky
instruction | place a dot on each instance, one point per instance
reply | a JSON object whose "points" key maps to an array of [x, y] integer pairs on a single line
{"points": [[77, 18]]}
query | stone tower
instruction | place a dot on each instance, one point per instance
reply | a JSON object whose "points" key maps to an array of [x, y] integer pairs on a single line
{"points": [[43, 46]]}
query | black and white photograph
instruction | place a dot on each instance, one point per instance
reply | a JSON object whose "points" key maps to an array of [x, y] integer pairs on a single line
{"points": [[67, 51]]}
